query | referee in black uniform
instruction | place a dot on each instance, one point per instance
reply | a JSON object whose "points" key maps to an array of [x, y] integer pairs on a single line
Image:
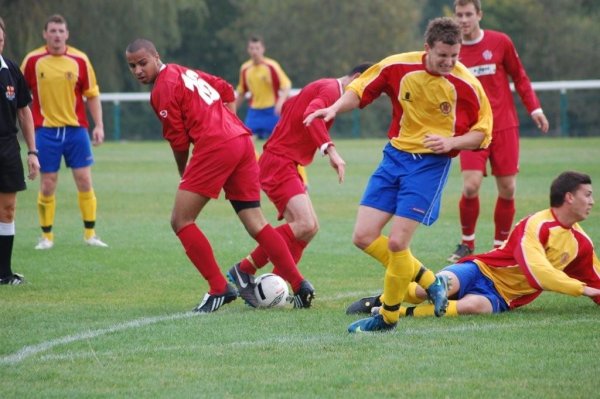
{"points": [[14, 104]]}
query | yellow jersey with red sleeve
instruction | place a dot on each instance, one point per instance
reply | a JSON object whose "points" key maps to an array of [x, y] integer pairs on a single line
{"points": [[263, 81], [541, 255], [425, 103], [58, 84]]}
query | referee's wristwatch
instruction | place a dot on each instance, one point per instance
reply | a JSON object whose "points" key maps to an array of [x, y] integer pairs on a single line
{"points": [[33, 152]]}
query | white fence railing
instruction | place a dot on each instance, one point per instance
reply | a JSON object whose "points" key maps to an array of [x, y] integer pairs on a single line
{"points": [[562, 86]]}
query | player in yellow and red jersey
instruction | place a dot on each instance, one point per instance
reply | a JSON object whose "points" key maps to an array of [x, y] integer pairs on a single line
{"points": [[59, 77], [438, 108], [546, 251]]}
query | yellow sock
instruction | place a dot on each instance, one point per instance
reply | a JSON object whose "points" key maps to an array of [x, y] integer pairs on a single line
{"points": [[424, 277], [303, 175], [87, 205], [411, 294], [395, 284], [378, 249], [427, 310], [46, 211]]}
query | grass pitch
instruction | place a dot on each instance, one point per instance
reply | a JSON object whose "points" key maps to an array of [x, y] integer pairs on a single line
{"points": [[115, 322]]}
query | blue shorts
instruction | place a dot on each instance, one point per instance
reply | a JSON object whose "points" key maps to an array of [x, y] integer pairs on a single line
{"points": [[408, 185], [261, 121], [472, 281], [72, 142]]}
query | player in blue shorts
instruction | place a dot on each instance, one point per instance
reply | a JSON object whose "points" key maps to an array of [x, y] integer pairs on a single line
{"points": [[439, 107], [63, 84]]}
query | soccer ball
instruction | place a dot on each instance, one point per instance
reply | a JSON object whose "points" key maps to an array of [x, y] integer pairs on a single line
{"points": [[271, 291]]}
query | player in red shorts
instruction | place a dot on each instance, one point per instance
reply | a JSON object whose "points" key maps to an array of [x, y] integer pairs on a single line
{"points": [[292, 144], [492, 57], [196, 108]]}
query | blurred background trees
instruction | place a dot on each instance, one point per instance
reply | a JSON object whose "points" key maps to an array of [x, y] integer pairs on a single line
{"points": [[556, 40]]}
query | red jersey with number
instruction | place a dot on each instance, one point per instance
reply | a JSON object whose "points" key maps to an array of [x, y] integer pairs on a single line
{"points": [[493, 58], [294, 140], [191, 107]]}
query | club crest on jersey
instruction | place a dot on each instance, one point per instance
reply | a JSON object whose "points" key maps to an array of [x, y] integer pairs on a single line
{"points": [[445, 107], [10, 93], [487, 55], [69, 75]]}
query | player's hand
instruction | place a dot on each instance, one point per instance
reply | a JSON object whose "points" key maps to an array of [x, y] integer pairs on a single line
{"points": [[326, 113], [540, 121], [33, 164], [438, 144], [591, 292], [98, 135], [337, 163]]}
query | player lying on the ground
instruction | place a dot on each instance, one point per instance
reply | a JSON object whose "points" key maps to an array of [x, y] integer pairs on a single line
{"points": [[546, 251]]}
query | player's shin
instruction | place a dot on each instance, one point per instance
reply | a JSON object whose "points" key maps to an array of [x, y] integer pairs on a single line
{"points": [[395, 285]]}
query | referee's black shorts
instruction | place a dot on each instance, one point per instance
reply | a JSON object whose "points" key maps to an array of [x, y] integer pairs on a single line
{"points": [[12, 176]]}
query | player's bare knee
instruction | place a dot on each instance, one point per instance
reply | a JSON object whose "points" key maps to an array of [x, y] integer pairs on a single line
{"points": [[307, 229]]}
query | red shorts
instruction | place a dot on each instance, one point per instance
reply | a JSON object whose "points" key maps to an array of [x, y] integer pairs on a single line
{"points": [[231, 167], [280, 180], [503, 154]]}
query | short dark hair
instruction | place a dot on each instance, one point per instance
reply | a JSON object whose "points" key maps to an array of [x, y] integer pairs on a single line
{"points": [[55, 18], [139, 44], [443, 29], [476, 3], [566, 182], [2, 26], [360, 68], [255, 39]]}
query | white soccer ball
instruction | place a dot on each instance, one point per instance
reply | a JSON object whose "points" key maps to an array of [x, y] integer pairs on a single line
{"points": [[271, 291]]}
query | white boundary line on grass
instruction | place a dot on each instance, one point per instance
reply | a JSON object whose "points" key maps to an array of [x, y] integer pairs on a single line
{"points": [[32, 350]]}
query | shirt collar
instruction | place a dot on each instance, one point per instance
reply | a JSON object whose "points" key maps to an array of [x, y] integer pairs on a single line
{"points": [[3, 63]]}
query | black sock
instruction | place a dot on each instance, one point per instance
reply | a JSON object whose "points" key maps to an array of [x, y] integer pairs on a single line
{"points": [[6, 247]]}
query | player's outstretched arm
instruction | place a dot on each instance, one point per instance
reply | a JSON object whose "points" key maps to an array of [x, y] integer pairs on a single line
{"points": [[347, 102]]}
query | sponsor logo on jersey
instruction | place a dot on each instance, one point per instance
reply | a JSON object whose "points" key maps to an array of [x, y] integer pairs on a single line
{"points": [[481, 70], [10, 93], [163, 113]]}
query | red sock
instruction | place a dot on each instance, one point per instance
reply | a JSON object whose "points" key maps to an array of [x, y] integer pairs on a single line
{"points": [[469, 212], [198, 249], [504, 215], [279, 254], [260, 258], [295, 245]]}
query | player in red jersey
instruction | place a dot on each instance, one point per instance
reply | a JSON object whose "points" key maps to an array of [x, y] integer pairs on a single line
{"points": [[195, 108], [492, 57], [546, 251], [293, 144]]}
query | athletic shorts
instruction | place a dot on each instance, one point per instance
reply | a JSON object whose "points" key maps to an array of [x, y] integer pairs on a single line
{"points": [[472, 281], [72, 142], [231, 167], [261, 121], [408, 185], [280, 180], [12, 177], [503, 154]]}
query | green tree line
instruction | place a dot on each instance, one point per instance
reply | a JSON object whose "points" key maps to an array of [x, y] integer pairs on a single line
{"points": [[556, 40]]}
